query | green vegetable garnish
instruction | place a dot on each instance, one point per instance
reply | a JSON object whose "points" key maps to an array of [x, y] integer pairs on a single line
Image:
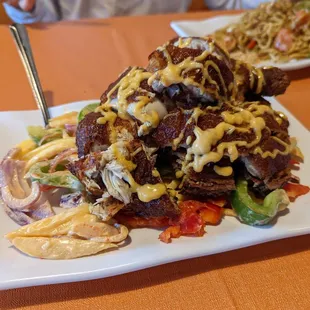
{"points": [[41, 135], [39, 172], [302, 5], [253, 213], [88, 109]]}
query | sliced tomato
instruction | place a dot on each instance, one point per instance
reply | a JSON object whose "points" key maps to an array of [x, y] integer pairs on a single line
{"points": [[170, 232], [190, 223], [194, 216], [211, 215], [251, 44], [295, 190]]}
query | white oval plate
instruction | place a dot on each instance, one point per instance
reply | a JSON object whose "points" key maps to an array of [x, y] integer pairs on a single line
{"points": [[144, 249], [208, 26]]}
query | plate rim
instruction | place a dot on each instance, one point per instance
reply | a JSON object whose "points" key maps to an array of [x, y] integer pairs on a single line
{"points": [[137, 265]]}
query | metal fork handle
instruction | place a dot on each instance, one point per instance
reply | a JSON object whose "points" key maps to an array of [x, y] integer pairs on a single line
{"points": [[19, 33]]}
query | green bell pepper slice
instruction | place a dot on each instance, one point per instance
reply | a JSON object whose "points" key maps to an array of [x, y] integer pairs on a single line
{"points": [[87, 109], [253, 213], [37, 133], [39, 172]]}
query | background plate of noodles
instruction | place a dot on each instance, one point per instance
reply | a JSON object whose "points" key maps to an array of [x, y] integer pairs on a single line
{"points": [[275, 34]]}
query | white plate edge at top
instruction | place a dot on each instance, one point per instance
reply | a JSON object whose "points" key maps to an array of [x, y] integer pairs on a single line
{"points": [[186, 28]]}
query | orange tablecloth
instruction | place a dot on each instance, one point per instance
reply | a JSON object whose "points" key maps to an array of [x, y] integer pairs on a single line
{"points": [[77, 61]]}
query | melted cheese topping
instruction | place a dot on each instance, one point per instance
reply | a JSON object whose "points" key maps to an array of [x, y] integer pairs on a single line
{"points": [[107, 116], [183, 42], [207, 149], [127, 164], [145, 192], [126, 87], [194, 118], [155, 173], [188, 140], [179, 174], [150, 192], [223, 171], [174, 73], [173, 184]]}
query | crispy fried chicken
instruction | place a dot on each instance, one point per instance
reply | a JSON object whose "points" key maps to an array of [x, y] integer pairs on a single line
{"points": [[202, 112], [195, 71]]}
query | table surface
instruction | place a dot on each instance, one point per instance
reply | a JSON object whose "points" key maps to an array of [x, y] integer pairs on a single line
{"points": [[77, 61]]}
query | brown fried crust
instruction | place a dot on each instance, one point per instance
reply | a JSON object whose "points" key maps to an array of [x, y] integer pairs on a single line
{"points": [[79, 168], [91, 136], [208, 183], [263, 168], [163, 206], [174, 123], [142, 88], [155, 208], [275, 83], [264, 187], [170, 127], [157, 61], [104, 96]]}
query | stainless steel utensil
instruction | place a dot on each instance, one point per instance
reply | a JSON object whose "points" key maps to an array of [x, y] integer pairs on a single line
{"points": [[21, 39]]}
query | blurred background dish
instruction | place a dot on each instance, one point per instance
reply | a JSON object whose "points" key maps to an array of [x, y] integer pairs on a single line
{"points": [[276, 33]]}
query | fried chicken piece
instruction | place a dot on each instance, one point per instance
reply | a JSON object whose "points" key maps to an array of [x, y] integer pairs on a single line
{"points": [[176, 131], [189, 75], [94, 137], [145, 165], [107, 174], [265, 168], [179, 124], [208, 183], [87, 170], [196, 71], [273, 80], [131, 96], [265, 186]]}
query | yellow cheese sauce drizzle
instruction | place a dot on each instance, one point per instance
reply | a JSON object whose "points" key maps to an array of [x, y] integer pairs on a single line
{"points": [[126, 87], [121, 159], [193, 118], [223, 171], [253, 73], [150, 192], [174, 73], [146, 192], [204, 148], [184, 42]]}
